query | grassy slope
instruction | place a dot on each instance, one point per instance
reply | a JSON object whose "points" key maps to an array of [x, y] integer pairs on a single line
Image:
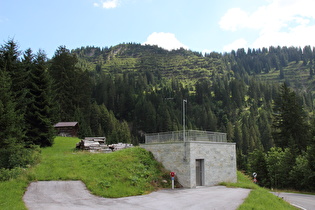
{"points": [[183, 66], [123, 173], [259, 198], [296, 74]]}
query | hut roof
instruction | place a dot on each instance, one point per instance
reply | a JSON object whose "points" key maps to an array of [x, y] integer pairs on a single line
{"points": [[65, 124]]}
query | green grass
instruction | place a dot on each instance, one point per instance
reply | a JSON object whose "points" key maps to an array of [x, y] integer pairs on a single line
{"points": [[262, 199], [259, 198], [243, 181], [123, 173], [11, 193]]}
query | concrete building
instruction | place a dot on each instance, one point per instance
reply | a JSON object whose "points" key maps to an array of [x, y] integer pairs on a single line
{"points": [[203, 159]]}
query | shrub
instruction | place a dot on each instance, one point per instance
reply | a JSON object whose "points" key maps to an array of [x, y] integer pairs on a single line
{"points": [[7, 174], [14, 159]]}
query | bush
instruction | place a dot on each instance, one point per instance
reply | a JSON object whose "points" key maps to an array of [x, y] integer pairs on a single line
{"points": [[7, 174], [14, 159]]}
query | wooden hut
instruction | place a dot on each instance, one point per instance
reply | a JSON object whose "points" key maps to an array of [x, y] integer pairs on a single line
{"points": [[67, 129]]}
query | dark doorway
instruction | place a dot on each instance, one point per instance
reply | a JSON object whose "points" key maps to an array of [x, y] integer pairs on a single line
{"points": [[199, 172]]}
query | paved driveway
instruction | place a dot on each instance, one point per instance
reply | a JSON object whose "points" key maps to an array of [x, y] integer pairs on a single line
{"points": [[74, 195]]}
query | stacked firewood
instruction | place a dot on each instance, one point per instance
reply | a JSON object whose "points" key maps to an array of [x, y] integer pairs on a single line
{"points": [[98, 144]]}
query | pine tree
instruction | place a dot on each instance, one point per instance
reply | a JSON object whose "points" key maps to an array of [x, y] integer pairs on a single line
{"points": [[84, 127], [18, 74], [18, 71], [290, 125], [11, 131], [238, 137], [65, 75], [265, 131], [212, 123], [230, 132], [39, 115], [95, 121], [164, 121], [124, 133], [258, 163]]}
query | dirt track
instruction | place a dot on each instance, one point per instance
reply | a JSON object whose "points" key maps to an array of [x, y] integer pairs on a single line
{"points": [[74, 195]]}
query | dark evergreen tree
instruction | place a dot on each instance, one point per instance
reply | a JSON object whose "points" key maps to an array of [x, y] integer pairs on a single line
{"points": [[40, 115], [238, 138], [104, 120], [265, 130], [164, 121], [290, 125], [124, 133], [11, 131], [18, 73], [95, 121], [258, 164], [84, 126], [71, 83]]}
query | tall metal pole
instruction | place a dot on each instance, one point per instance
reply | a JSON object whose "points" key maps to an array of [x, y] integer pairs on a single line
{"points": [[184, 127], [184, 121]]}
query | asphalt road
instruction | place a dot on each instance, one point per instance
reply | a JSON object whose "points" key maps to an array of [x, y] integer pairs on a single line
{"points": [[70, 195], [301, 201]]}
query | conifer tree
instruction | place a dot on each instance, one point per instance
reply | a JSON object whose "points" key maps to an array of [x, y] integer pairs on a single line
{"points": [[84, 126], [290, 125], [265, 131], [95, 121], [11, 131], [39, 114], [258, 163], [104, 120], [18, 72], [238, 138], [10, 63], [65, 74]]}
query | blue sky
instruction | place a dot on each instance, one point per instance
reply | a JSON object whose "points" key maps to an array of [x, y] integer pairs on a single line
{"points": [[199, 25]]}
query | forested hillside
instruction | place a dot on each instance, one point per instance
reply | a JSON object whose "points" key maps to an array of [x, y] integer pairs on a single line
{"points": [[262, 98]]}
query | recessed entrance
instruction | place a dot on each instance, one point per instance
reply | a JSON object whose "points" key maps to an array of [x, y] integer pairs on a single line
{"points": [[199, 172]]}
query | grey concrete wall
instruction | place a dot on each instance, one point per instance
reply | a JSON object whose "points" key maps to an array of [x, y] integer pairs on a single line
{"points": [[219, 160], [172, 156]]}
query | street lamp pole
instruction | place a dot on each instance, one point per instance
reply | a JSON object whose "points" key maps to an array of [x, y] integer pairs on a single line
{"points": [[184, 121]]}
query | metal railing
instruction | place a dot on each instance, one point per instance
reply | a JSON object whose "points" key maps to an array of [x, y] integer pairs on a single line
{"points": [[190, 135]]}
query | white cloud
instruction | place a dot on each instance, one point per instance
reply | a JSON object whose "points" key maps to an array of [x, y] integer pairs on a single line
{"points": [[167, 41], [239, 43], [279, 22], [298, 36], [109, 4], [233, 19]]}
